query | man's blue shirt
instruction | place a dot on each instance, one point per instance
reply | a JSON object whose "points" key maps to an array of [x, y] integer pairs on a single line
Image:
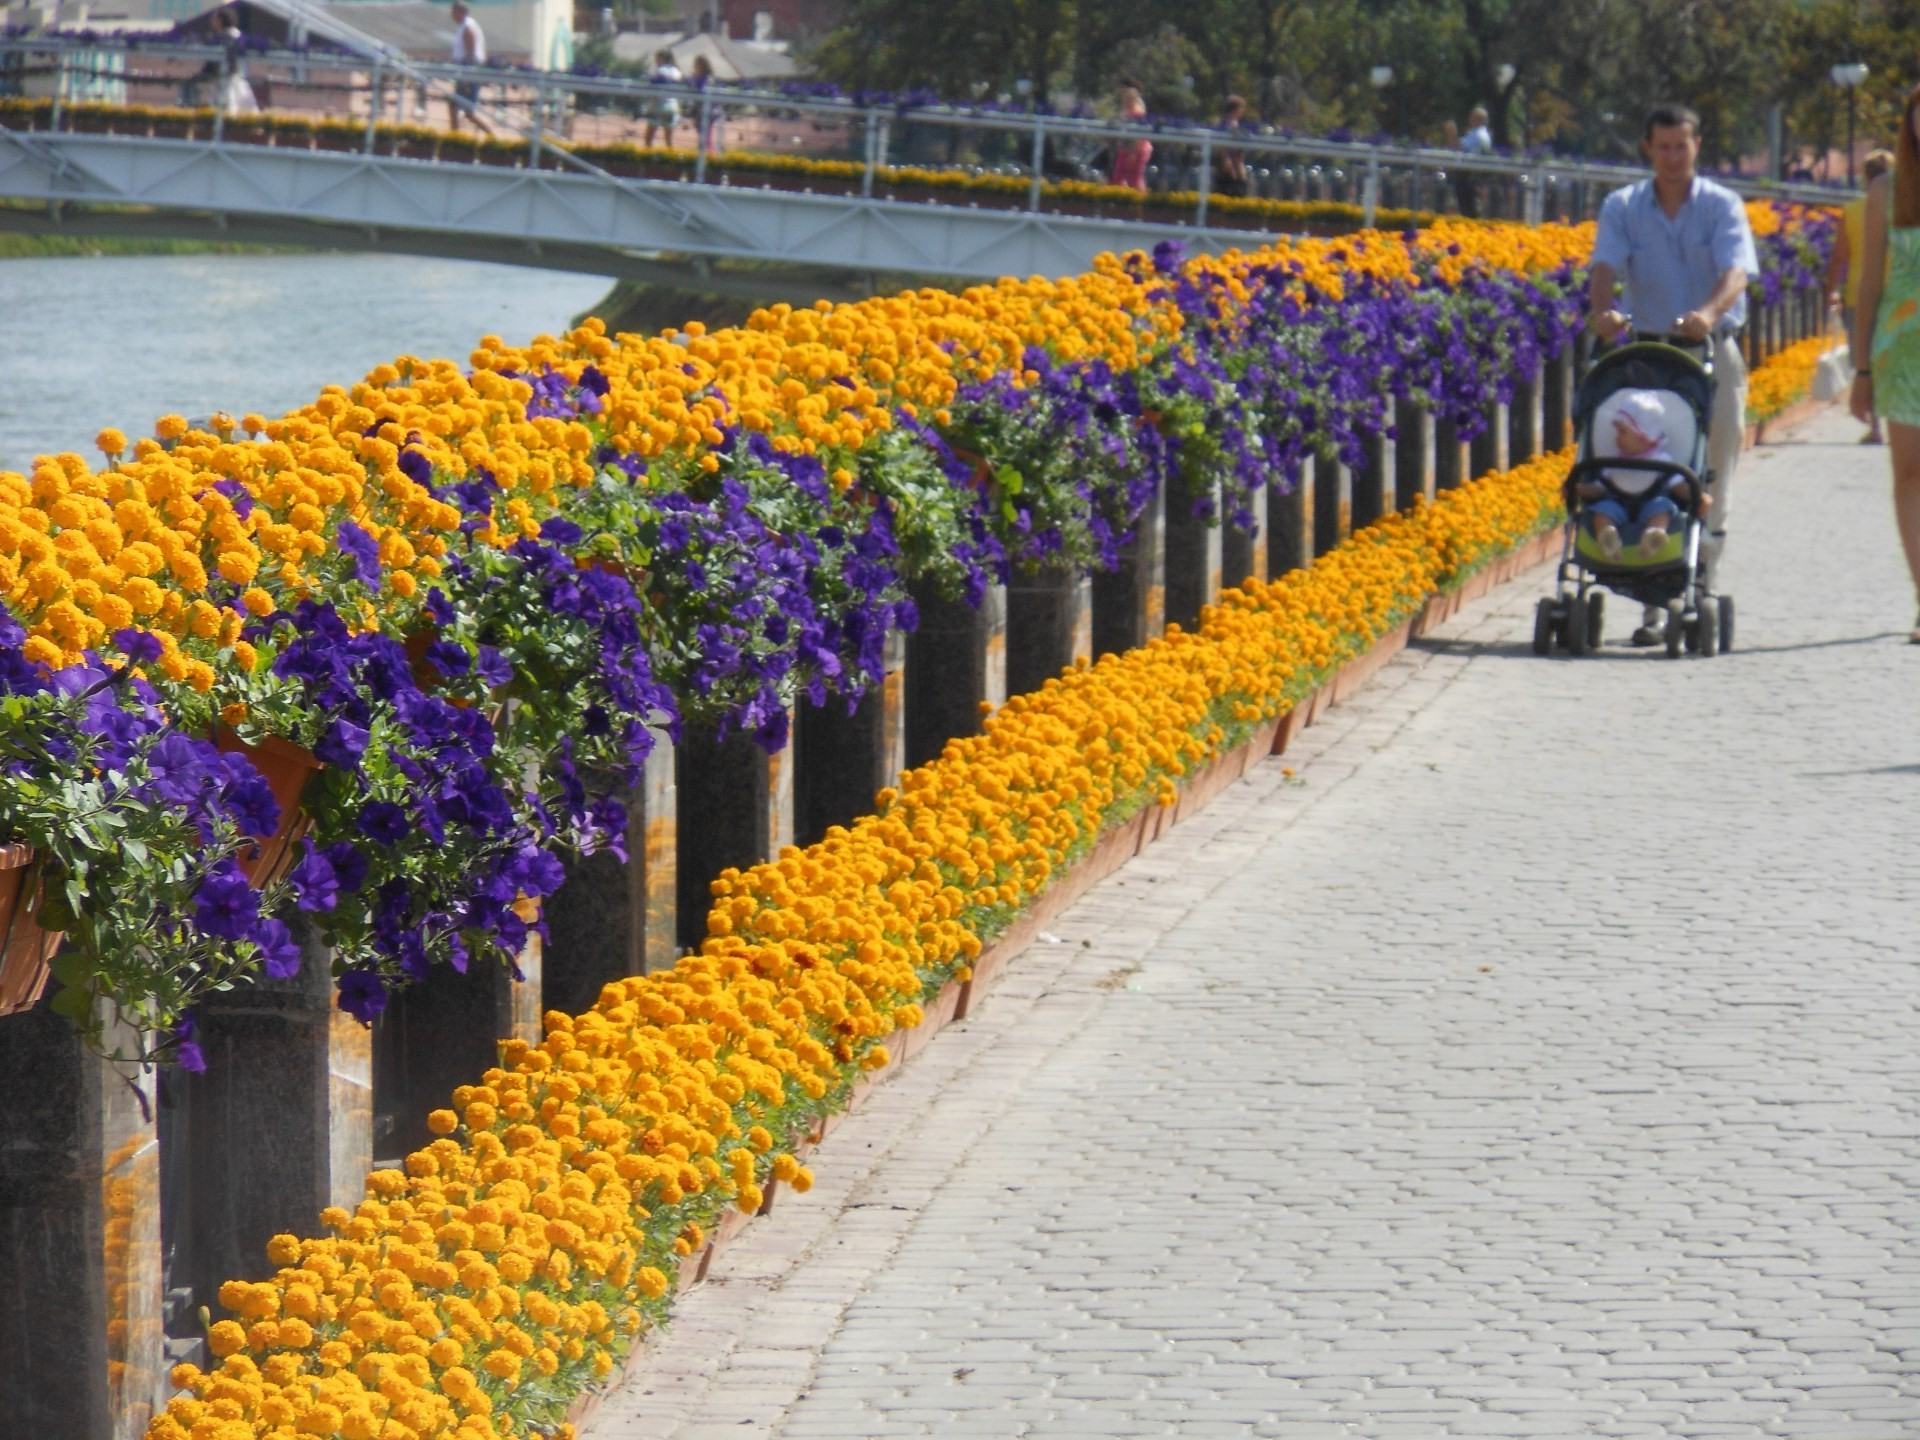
{"points": [[1671, 266]]}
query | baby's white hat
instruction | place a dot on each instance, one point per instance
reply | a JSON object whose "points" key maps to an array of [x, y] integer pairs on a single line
{"points": [[1642, 410]]}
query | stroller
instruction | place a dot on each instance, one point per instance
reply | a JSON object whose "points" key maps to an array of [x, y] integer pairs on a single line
{"points": [[1674, 577]]}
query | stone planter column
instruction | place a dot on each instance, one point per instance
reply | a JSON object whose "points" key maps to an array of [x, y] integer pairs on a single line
{"points": [[1374, 491], [278, 1127], [1243, 554], [445, 1032], [1556, 402], [1332, 503], [956, 661], [1290, 538], [841, 760], [1049, 626], [1523, 422], [1130, 602], [614, 917], [1413, 452], [1193, 559], [80, 1331], [1452, 463], [736, 809], [1489, 449]]}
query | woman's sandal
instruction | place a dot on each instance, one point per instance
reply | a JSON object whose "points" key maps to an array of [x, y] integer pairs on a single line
{"points": [[1913, 635]]}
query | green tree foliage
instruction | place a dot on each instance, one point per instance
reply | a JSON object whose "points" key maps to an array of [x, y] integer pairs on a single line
{"points": [[1582, 72]]}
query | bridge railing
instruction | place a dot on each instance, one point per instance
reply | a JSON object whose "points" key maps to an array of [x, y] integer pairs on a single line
{"points": [[622, 128]]}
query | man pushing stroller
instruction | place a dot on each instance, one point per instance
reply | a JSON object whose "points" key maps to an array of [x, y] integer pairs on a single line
{"points": [[1681, 248]]}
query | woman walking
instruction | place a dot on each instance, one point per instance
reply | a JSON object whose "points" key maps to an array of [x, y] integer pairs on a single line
{"points": [[1887, 327]]}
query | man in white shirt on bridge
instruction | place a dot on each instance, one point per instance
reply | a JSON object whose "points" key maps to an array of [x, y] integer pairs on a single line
{"points": [[469, 48]]}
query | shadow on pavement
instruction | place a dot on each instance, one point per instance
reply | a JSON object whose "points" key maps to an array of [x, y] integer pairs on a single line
{"points": [[1621, 650], [1867, 770]]}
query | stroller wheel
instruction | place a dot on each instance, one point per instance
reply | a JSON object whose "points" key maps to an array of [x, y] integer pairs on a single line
{"points": [[1726, 624], [1676, 634], [1707, 630], [1573, 627], [1596, 618], [1543, 627]]}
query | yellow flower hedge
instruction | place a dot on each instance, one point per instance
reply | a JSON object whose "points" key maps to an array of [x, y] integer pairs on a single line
{"points": [[1785, 379]]}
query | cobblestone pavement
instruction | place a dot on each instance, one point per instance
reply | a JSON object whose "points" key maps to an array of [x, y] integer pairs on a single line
{"points": [[1540, 1060]]}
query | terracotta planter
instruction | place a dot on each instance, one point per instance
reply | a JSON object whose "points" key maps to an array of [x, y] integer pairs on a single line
{"points": [[25, 948], [286, 768]]}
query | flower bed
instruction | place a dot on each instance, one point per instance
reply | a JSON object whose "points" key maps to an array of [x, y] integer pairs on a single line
{"points": [[487, 1288], [515, 1260]]}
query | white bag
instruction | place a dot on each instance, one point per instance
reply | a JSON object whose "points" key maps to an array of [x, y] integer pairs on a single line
{"points": [[1833, 376]]}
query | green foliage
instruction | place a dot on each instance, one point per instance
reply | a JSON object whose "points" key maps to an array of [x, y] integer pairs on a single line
{"points": [[1582, 76]]}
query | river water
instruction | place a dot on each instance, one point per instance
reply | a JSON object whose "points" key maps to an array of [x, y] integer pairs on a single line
{"points": [[88, 342]]}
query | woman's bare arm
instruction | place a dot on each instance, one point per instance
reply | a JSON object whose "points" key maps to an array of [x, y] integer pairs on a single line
{"points": [[1873, 270]]}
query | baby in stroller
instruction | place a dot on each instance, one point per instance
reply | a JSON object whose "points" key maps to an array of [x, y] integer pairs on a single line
{"points": [[1640, 505]]}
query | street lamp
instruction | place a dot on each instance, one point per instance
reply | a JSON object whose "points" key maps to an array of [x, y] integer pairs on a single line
{"points": [[1380, 77], [1849, 78]]}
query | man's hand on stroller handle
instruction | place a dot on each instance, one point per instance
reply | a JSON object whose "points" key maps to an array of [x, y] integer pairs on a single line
{"points": [[1694, 325]]}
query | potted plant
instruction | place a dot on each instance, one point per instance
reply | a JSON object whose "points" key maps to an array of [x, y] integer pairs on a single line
{"points": [[340, 135]]}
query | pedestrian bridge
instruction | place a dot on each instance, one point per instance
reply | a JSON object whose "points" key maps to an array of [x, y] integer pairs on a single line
{"points": [[357, 150]]}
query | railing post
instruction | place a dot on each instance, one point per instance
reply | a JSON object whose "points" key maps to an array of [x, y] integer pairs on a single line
{"points": [[1130, 601], [841, 760], [1371, 203], [1489, 448], [735, 809], [1039, 163], [1373, 485], [375, 96], [700, 177], [956, 662], [1413, 450], [1332, 503], [1204, 182], [1452, 465], [873, 164], [1556, 401], [1193, 555], [1049, 626], [1523, 422], [1290, 541], [79, 1239], [614, 917], [1243, 553], [220, 99]]}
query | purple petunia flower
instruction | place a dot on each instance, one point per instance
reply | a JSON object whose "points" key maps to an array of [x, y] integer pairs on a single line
{"points": [[186, 1049], [315, 885], [359, 547], [343, 744], [279, 951], [225, 905], [138, 646], [363, 995], [384, 821]]}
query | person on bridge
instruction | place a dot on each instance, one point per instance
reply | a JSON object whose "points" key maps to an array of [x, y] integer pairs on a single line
{"points": [[1684, 250], [469, 48], [1886, 327], [663, 114], [1130, 156]]}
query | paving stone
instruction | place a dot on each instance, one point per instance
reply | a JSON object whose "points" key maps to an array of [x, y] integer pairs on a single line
{"points": [[1537, 1060]]}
